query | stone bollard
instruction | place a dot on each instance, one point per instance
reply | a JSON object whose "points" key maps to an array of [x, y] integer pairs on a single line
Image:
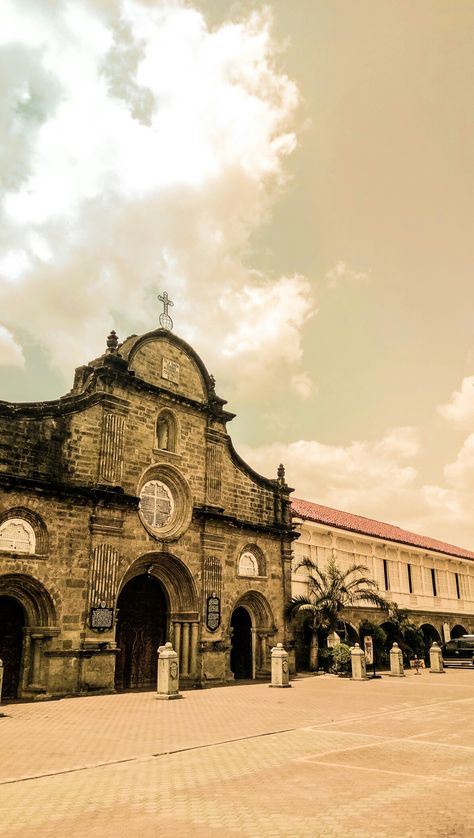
{"points": [[396, 662], [1, 680], [358, 664], [280, 667], [168, 673], [436, 659]]}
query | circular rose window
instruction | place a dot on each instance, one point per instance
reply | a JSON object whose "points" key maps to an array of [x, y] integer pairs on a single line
{"points": [[165, 502], [156, 503]]}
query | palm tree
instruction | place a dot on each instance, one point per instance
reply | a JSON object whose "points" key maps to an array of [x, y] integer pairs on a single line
{"points": [[405, 631], [330, 592]]}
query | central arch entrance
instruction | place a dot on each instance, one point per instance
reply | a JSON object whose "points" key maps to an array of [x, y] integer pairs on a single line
{"points": [[12, 623], [141, 628], [241, 650]]}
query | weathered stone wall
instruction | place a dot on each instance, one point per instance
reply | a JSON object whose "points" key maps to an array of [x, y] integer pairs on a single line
{"points": [[79, 464]]}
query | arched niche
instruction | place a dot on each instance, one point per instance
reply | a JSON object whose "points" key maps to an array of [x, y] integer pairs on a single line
{"points": [[166, 431]]}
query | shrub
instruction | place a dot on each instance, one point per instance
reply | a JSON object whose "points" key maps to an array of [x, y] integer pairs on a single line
{"points": [[325, 658], [341, 659]]}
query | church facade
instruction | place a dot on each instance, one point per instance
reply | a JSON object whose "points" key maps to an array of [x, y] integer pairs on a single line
{"points": [[128, 519]]}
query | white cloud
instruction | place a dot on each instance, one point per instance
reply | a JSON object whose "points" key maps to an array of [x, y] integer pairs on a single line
{"points": [[11, 354], [342, 273], [369, 478], [362, 477], [460, 408], [150, 150]]}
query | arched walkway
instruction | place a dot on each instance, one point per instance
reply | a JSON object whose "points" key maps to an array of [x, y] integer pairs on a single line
{"points": [[431, 634], [141, 628], [458, 631]]}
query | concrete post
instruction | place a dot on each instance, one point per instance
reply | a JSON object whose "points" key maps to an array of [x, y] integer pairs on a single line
{"points": [[168, 673], [358, 664], [396, 662], [280, 667], [436, 659], [1, 679]]}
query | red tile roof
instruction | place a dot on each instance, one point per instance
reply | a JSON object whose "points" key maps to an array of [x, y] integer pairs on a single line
{"points": [[366, 526]]}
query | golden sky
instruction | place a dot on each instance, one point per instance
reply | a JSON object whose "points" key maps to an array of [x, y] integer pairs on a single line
{"points": [[299, 177]]}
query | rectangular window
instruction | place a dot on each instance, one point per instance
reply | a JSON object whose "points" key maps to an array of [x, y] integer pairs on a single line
{"points": [[433, 581], [385, 575], [458, 589], [410, 581]]}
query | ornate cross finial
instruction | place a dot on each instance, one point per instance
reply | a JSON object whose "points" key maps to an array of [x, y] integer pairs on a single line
{"points": [[165, 320]]}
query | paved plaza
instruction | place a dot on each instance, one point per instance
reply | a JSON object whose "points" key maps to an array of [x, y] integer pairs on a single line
{"points": [[329, 757]]}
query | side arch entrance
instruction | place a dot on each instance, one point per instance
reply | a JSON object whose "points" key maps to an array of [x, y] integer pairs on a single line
{"points": [[12, 624], [27, 625], [251, 627], [141, 628], [241, 648]]}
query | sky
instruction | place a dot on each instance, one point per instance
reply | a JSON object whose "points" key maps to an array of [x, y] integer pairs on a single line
{"points": [[299, 178]]}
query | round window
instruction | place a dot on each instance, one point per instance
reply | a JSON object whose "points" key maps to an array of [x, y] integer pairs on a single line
{"points": [[156, 503], [165, 502]]}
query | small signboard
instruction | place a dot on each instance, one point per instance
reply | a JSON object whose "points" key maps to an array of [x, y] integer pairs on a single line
{"points": [[369, 649], [102, 618], [170, 370], [213, 612]]}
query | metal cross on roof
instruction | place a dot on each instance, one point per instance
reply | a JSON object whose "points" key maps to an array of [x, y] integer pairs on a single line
{"points": [[165, 320]]}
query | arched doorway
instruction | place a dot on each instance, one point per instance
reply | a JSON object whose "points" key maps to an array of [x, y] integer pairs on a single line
{"points": [[241, 650], [12, 622], [458, 631], [141, 628]]}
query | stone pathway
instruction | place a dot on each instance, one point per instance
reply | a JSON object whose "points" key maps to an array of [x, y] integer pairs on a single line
{"points": [[392, 757]]}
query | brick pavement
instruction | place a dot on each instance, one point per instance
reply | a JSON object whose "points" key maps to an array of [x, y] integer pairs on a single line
{"points": [[327, 758]]}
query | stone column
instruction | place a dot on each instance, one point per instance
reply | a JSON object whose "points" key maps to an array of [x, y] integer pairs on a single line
{"points": [[194, 645], [396, 662], [185, 650], [37, 642], [262, 651], [177, 638], [1, 679], [436, 659], [280, 668], [254, 652], [358, 664], [168, 673]]}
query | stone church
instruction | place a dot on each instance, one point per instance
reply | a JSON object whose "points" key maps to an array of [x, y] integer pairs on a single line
{"points": [[128, 519]]}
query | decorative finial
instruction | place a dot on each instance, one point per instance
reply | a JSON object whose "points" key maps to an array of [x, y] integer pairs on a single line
{"points": [[165, 320], [281, 474], [112, 343]]}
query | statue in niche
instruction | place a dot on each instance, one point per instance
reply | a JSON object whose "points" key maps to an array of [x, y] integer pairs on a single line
{"points": [[163, 433]]}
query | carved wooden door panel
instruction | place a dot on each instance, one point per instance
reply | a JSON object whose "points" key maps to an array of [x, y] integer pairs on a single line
{"points": [[141, 628], [12, 621]]}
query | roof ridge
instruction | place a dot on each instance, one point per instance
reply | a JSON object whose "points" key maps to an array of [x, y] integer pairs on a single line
{"points": [[393, 531]]}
